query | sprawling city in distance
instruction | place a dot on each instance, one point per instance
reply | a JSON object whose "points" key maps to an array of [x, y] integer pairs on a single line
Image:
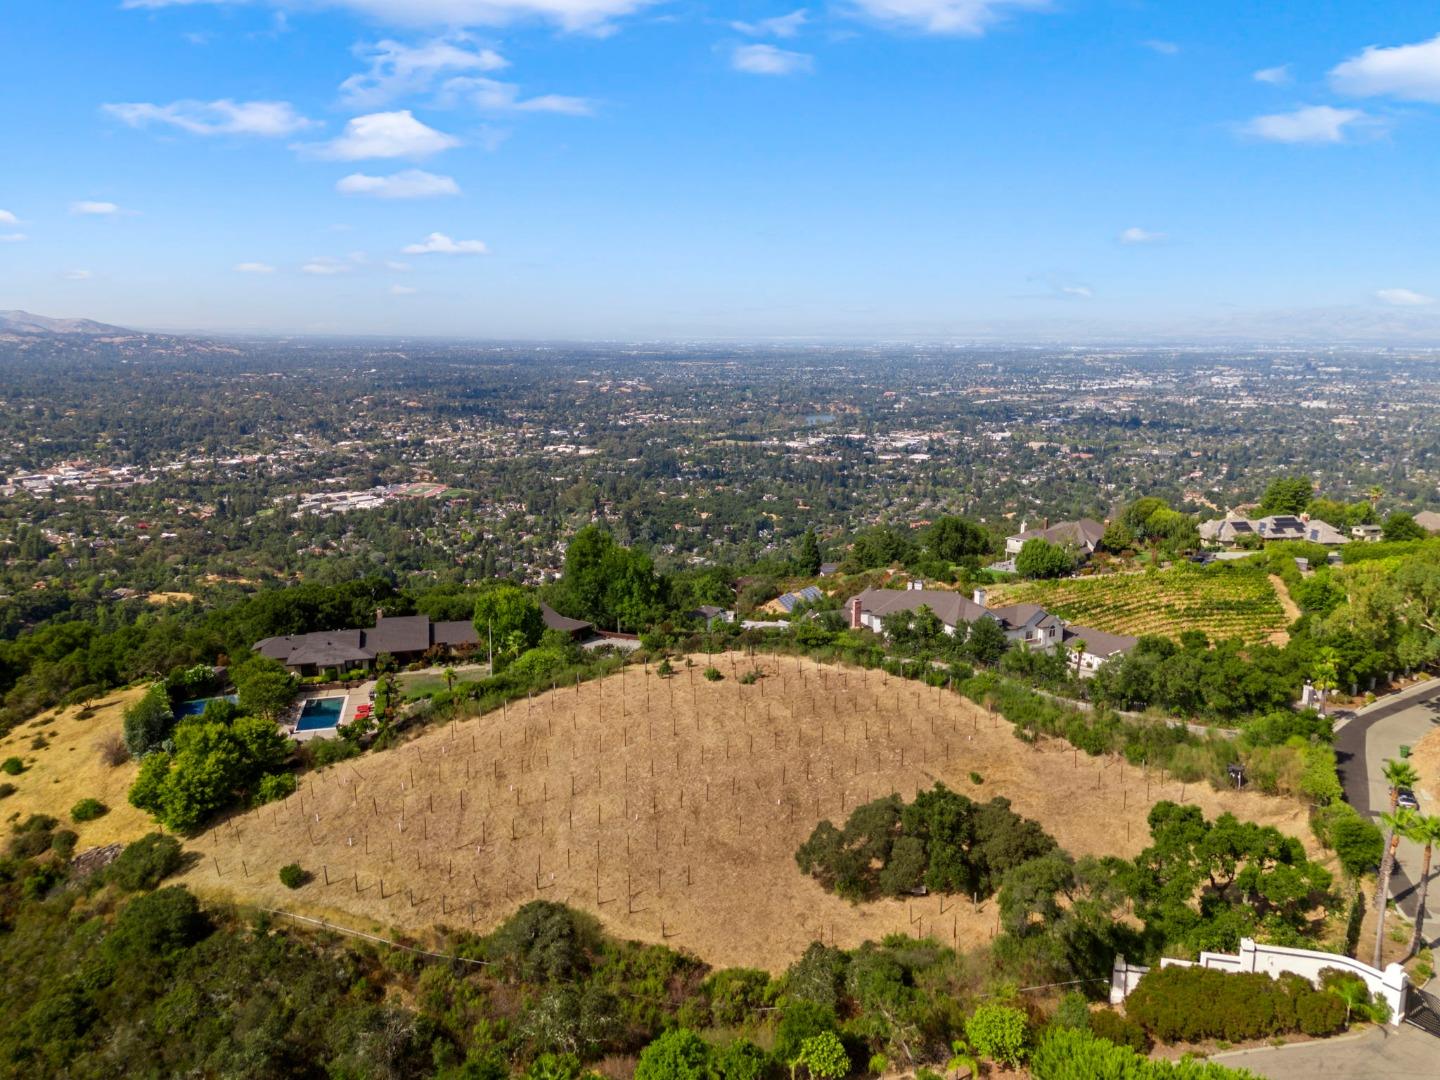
{"points": [[690, 540]]}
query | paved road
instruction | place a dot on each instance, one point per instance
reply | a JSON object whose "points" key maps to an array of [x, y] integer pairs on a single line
{"points": [[1362, 746], [1399, 1053]]}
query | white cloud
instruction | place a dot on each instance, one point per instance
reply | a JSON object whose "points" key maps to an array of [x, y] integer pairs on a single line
{"points": [[946, 16], [582, 15], [398, 266], [12, 238], [1137, 235], [1164, 48], [440, 244], [383, 135], [403, 290], [781, 26], [89, 208], [492, 95], [325, 266], [768, 60], [7, 218], [1307, 124], [410, 184], [1403, 298], [1080, 292], [397, 70], [77, 275], [254, 268], [1408, 72], [268, 119], [1275, 76]]}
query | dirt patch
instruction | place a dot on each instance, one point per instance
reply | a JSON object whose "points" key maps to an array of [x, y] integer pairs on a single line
{"points": [[1425, 756], [1280, 638], [672, 809], [69, 768], [170, 597]]}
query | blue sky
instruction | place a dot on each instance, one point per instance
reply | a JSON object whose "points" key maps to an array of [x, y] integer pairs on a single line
{"points": [[868, 169]]}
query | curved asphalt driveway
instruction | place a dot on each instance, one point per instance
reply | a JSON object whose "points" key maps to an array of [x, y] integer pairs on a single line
{"points": [[1362, 746]]}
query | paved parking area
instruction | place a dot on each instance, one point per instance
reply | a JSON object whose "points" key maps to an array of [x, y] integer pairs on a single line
{"points": [[1403, 1053]]}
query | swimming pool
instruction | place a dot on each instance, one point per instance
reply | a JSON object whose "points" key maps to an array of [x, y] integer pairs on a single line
{"points": [[197, 706], [320, 713]]}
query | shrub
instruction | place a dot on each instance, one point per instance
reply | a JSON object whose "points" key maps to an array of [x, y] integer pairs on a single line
{"points": [[544, 942], [976, 778], [12, 766], [824, 1056], [736, 993], [678, 1054], [322, 752], [146, 862], [275, 786], [113, 751], [156, 925], [63, 842], [712, 673], [1069, 1054], [1073, 1011], [742, 1060], [1120, 1030], [32, 836], [7, 790], [998, 1032], [1190, 1004], [88, 810], [149, 721], [292, 876]]}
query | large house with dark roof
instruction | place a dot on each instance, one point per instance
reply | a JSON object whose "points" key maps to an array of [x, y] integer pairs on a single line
{"points": [[1027, 625], [1082, 536], [1233, 529], [407, 638]]}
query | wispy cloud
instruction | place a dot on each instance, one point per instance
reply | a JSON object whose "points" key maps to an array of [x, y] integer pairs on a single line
{"points": [[92, 208], [492, 95], [326, 266], [780, 26], [403, 290], [970, 17], [254, 268], [768, 60], [13, 238], [7, 218], [267, 119], [1137, 235], [383, 135], [440, 244], [1078, 292], [1403, 298], [1164, 48], [77, 275], [1307, 124], [398, 70], [1408, 72], [409, 184], [1275, 76], [590, 16]]}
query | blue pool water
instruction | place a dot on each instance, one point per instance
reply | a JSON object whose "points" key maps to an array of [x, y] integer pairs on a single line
{"points": [[320, 713], [197, 706]]}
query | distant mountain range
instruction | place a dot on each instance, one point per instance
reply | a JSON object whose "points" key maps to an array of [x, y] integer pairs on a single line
{"points": [[23, 322]]}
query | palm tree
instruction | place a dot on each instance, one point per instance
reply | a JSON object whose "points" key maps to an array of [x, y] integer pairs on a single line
{"points": [[1427, 832], [1374, 494], [1399, 774], [450, 679], [1400, 823], [1079, 646], [1325, 677], [963, 1058], [1354, 993]]}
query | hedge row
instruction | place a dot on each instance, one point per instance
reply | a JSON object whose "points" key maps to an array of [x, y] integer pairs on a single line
{"points": [[1072, 1054], [1188, 1004]]}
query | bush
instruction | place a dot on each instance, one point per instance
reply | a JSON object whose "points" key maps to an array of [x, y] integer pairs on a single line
{"points": [[6, 790], [275, 786], [824, 1056], [544, 942], [113, 751], [88, 810], [679, 1054], [63, 842], [146, 862], [998, 1032], [12, 766], [149, 721], [292, 876], [712, 673], [1069, 1054], [156, 925], [1190, 1004], [1120, 1030]]}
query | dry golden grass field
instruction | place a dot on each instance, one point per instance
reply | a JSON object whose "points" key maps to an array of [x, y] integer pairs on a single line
{"points": [[671, 808], [69, 768]]}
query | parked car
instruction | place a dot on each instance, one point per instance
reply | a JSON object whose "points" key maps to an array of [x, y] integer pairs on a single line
{"points": [[1406, 798]]}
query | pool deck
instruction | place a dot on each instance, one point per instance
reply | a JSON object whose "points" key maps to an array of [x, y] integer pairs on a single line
{"points": [[353, 700]]}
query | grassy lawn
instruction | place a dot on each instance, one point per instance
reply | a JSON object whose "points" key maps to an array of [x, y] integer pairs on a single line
{"points": [[1223, 601]]}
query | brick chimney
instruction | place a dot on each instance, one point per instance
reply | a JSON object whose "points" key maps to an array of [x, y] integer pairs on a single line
{"points": [[855, 623]]}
